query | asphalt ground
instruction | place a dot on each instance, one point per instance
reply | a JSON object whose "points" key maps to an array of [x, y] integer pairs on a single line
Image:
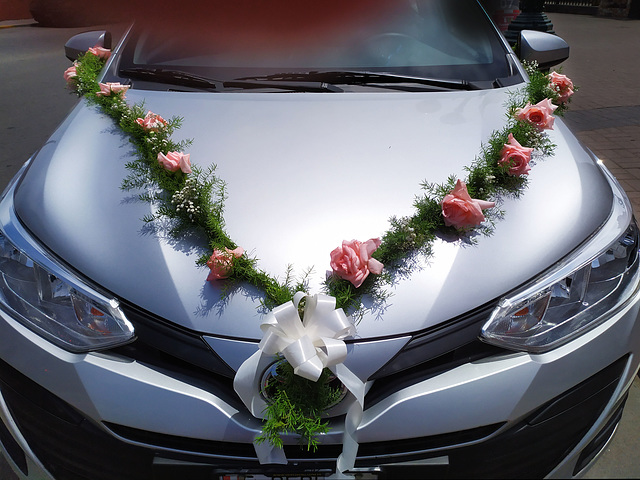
{"points": [[604, 114]]}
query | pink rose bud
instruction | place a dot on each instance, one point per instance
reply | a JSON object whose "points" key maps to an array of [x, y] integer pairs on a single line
{"points": [[110, 88], [100, 52], [539, 115], [70, 74], [460, 210], [185, 163], [353, 262], [151, 122], [174, 161], [561, 84], [516, 157], [221, 263]]}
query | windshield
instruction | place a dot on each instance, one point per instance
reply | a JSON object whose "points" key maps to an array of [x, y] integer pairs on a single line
{"points": [[441, 39]]}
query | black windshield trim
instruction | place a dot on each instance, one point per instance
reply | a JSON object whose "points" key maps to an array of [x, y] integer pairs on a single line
{"points": [[364, 77], [186, 79]]}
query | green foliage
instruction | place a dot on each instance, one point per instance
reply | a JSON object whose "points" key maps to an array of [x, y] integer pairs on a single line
{"points": [[88, 69], [196, 201], [297, 406], [539, 88], [347, 296]]}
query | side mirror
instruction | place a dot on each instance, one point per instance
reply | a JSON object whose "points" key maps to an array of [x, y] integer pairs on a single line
{"points": [[545, 48], [80, 43]]}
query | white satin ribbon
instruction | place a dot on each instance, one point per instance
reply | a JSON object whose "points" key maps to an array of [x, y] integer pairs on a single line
{"points": [[309, 345], [312, 344]]}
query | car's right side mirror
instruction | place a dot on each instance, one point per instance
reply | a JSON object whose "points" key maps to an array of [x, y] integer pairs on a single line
{"points": [[80, 43], [545, 48]]}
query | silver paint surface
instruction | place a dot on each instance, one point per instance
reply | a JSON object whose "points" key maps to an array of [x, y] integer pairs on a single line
{"points": [[304, 172]]}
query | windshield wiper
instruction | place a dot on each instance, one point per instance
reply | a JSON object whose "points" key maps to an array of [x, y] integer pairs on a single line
{"points": [[186, 79], [292, 85], [356, 77], [172, 77]]}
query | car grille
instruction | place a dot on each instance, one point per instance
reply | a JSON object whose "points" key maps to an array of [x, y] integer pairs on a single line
{"points": [[72, 447], [441, 348], [183, 354], [179, 353], [155, 334]]}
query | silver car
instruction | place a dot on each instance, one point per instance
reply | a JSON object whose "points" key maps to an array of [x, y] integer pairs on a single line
{"points": [[503, 347]]}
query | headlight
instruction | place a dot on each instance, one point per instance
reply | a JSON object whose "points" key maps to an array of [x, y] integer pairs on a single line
{"points": [[571, 299], [58, 306]]}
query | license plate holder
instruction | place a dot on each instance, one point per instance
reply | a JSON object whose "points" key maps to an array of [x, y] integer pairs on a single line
{"points": [[284, 476]]}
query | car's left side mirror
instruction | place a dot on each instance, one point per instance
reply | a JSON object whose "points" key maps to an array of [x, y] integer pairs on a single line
{"points": [[80, 43], [545, 48]]}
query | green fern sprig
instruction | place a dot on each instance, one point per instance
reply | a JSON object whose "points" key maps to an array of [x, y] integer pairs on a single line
{"points": [[296, 406]]}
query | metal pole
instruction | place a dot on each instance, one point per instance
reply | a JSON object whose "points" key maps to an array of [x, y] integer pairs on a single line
{"points": [[532, 17]]}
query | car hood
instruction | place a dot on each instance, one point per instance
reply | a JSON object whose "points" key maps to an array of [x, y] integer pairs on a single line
{"points": [[304, 172]]}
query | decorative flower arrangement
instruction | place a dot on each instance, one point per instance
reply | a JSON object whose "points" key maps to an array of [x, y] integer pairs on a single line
{"points": [[461, 211], [353, 260], [100, 52], [112, 89], [151, 122], [516, 157], [562, 85], [70, 75], [312, 351], [540, 115], [193, 198], [174, 161], [221, 263]]}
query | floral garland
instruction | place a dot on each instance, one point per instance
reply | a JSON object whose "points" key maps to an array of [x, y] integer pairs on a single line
{"points": [[193, 198]]}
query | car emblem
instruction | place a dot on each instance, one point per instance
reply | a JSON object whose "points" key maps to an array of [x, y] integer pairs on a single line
{"points": [[270, 376]]}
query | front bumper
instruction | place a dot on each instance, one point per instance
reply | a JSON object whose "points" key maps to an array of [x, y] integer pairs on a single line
{"points": [[512, 415]]}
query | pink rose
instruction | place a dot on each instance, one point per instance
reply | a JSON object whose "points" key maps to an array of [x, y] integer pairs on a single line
{"points": [[151, 122], [174, 161], [516, 157], [110, 88], [70, 74], [561, 84], [353, 262], [100, 52], [540, 115], [221, 263], [460, 210]]}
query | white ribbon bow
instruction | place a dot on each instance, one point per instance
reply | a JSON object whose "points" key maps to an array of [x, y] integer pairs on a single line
{"points": [[309, 345], [312, 344]]}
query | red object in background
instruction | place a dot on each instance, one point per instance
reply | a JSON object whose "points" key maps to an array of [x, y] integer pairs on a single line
{"points": [[244, 21], [503, 18], [295, 17], [502, 11]]}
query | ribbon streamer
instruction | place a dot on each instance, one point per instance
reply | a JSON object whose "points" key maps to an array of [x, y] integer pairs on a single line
{"points": [[309, 345]]}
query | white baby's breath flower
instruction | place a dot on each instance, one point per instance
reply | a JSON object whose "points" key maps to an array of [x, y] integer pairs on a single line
{"points": [[185, 199]]}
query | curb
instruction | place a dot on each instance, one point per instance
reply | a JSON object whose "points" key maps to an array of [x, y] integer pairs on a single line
{"points": [[17, 23]]}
